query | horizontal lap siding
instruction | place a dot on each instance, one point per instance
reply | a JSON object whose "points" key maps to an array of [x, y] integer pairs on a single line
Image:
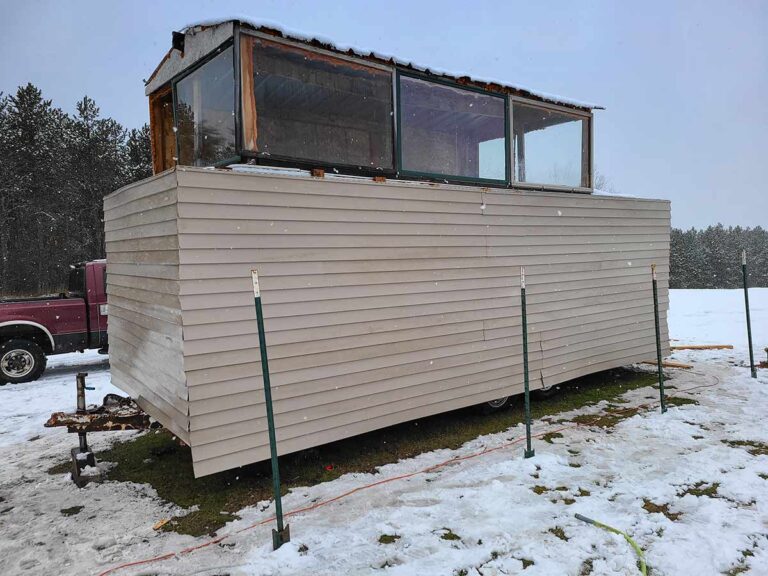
{"points": [[388, 302], [145, 329]]}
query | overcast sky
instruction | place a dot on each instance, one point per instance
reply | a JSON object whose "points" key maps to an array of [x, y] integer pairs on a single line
{"points": [[684, 84]]}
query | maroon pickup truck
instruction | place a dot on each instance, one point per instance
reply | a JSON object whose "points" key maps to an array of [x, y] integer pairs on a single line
{"points": [[33, 328]]}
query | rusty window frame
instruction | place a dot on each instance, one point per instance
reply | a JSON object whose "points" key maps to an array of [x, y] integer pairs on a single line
{"points": [[302, 162]]}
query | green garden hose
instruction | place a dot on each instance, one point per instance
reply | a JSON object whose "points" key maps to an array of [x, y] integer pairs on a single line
{"points": [[632, 543]]}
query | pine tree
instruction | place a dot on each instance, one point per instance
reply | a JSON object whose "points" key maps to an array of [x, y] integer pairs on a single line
{"points": [[97, 163], [32, 146], [139, 154]]}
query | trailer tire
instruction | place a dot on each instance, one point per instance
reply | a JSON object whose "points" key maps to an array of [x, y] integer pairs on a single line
{"points": [[21, 361], [494, 405]]}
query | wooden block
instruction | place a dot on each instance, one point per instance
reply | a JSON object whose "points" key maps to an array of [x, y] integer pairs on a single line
{"points": [[703, 347], [669, 364]]}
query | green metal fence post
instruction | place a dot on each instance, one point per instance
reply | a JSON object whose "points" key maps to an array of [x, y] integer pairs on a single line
{"points": [[283, 533], [746, 304], [529, 452], [658, 338]]}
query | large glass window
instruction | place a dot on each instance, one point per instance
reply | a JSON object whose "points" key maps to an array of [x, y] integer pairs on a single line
{"points": [[451, 131], [309, 106], [205, 112], [550, 147]]}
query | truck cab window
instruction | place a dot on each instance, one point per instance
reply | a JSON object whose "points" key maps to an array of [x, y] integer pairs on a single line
{"points": [[76, 282]]}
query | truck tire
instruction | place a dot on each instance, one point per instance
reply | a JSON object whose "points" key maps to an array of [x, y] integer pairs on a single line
{"points": [[21, 361]]}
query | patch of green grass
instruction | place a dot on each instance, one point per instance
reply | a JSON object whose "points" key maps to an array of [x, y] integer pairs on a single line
{"points": [[527, 563], [538, 489], [448, 534], [583, 492], [679, 401], [742, 566], [607, 419], [586, 567], [753, 447], [763, 476], [702, 489], [550, 436], [388, 538], [61, 468], [652, 508], [559, 532], [71, 511], [157, 459]]}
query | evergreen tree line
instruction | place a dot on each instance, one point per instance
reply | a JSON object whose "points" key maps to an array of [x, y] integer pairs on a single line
{"points": [[711, 258], [55, 170]]}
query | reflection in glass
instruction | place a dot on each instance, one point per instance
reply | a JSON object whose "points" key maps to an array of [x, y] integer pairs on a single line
{"points": [[451, 131], [205, 116], [315, 107], [548, 146]]}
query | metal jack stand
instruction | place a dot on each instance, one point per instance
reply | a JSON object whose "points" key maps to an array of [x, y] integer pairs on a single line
{"points": [[82, 456]]}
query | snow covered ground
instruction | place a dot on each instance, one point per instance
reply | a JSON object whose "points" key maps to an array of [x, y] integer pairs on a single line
{"points": [[504, 511]]}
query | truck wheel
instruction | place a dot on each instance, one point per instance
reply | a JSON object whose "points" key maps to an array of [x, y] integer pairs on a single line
{"points": [[21, 361]]}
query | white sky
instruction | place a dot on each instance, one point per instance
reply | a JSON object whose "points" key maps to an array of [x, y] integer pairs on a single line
{"points": [[684, 83]]}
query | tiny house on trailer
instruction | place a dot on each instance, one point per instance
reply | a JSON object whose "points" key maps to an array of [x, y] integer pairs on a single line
{"points": [[388, 210]]}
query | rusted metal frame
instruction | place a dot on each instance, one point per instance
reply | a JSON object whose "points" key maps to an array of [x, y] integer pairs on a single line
{"points": [[549, 105], [310, 48], [98, 422]]}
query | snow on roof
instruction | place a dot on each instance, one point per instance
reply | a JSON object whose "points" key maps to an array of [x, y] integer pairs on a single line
{"points": [[276, 29]]}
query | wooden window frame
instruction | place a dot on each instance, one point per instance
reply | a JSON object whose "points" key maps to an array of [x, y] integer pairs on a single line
{"points": [[160, 138], [249, 112]]}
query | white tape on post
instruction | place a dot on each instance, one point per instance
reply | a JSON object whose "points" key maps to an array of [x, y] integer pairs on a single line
{"points": [[522, 277], [653, 271], [743, 257], [255, 278]]}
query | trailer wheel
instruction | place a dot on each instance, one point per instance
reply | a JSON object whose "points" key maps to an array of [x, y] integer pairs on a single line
{"points": [[494, 405], [547, 391], [21, 361]]}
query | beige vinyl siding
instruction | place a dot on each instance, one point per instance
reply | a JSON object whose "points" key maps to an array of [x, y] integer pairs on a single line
{"points": [[384, 302], [145, 331]]}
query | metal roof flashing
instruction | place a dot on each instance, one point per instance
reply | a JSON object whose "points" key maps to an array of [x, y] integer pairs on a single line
{"points": [[202, 38]]}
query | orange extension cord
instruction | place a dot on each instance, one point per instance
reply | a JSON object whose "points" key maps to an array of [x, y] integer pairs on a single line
{"points": [[384, 481]]}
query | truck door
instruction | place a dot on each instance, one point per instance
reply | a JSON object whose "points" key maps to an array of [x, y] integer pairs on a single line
{"points": [[96, 302]]}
